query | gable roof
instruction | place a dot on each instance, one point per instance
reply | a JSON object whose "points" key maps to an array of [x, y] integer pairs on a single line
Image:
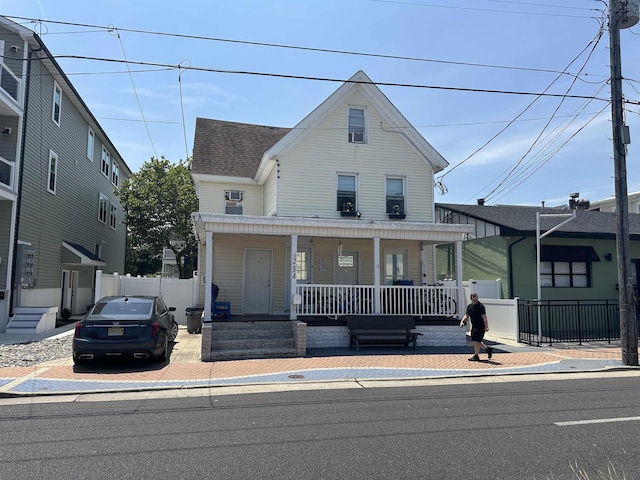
{"points": [[521, 220], [244, 150], [231, 149], [363, 84]]}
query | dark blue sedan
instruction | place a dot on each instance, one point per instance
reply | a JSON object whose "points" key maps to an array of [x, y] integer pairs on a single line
{"points": [[125, 326]]}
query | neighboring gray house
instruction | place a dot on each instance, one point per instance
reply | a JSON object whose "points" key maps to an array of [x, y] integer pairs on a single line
{"points": [[59, 216]]}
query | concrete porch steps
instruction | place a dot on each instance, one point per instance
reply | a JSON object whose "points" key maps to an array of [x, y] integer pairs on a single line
{"points": [[240, 340]]}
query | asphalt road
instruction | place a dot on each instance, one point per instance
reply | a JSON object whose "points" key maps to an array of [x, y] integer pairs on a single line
{"points": [[498, 430]]}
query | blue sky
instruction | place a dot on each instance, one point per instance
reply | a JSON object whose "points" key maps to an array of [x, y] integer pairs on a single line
{"points": [[549, 148]]}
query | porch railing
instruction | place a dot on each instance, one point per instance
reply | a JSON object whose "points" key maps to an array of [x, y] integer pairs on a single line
{"points": [[337, 300]]}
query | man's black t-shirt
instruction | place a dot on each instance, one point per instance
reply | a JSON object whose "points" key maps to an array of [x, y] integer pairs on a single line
{"points": [[475, 312]]}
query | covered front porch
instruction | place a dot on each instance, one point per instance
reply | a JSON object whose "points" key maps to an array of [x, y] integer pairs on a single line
{"points": [[310, 267]]}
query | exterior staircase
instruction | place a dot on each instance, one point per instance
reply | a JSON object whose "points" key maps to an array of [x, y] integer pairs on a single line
{"points": [[259, 339], [32, 319]]}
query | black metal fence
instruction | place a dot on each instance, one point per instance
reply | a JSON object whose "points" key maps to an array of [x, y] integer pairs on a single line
{"points": [[555, 321]]}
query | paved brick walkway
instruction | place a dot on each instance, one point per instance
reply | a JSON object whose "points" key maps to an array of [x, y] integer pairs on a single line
{"points": [[186, 370]]}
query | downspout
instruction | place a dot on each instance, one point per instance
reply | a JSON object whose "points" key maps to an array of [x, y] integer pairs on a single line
{"points": [[20, 178], [511, 264]]}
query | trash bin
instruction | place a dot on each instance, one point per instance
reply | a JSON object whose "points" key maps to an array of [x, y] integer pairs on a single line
{"points": [[194, 319]]}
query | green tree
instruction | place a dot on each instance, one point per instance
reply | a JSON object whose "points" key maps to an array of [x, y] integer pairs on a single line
{"points": [[158, 201]]}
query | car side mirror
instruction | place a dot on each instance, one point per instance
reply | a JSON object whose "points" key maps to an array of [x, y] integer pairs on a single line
{"points": [[172, 309]]}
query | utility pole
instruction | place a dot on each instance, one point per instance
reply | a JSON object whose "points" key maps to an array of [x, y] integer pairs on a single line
{"points": [[628, 328]]}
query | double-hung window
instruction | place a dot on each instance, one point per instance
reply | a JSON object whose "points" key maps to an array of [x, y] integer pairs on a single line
{"points": [[53, 171], [105, 161], [91, 140], [233, 202], [357, 125], [115, 174], [395, 197], [347, 200], [57, 103], [395, 266], [103, 208], [113, 218]]}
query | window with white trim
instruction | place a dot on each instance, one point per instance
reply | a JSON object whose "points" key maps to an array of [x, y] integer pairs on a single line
{"points": [[103, 208], [357, 125], [113, 217], [91, 140], [53, 172], [395, 197], [105, 161], [57, 103], [347, 198], [233, 202], [115, 174]]}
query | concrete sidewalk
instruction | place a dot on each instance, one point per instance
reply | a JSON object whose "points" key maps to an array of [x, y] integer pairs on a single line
{"points": [[185, 370]]}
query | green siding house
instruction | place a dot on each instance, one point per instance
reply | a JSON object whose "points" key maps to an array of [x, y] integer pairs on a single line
{"points": [[59, 216], [578, 260]]}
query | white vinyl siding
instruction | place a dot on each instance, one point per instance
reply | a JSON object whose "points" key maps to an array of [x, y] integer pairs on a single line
{"points": [[308, 171], [212, 197]]}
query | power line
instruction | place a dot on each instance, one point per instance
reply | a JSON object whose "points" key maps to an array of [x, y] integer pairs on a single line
{"points": [[303, 48], [328, 79]]}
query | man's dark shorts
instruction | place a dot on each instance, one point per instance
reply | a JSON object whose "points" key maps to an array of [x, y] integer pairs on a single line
{"points": [[477, 334]]}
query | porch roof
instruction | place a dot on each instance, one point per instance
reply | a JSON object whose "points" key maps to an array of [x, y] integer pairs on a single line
{"points": [[322, 227]]}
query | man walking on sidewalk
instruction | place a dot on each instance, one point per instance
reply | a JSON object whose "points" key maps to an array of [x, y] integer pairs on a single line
{"points": [[479, 325]]}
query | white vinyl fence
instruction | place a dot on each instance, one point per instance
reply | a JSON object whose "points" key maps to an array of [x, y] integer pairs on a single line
{"points": [[178, 293], [502, 315]]}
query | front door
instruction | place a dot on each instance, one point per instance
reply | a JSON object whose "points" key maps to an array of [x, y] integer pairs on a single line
{"points": [[345, 269], [257, 282]]}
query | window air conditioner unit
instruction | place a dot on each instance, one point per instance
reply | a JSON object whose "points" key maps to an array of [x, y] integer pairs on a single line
{"points": [[356, 137], [237, 196], [347, 207], [395, 208]]}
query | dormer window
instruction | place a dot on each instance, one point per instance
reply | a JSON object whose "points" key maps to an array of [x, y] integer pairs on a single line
{"points": [[395, 198], [357, 124], [233, 202]]}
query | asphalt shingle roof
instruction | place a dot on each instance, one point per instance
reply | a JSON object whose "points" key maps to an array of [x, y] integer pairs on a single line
{"points": [[230, 148], [522, 219]]}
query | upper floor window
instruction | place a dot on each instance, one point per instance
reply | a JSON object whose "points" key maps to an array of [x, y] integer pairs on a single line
{"points": [[115, 174], [103, 208], [106, 160], [395, 197], [91, 138], [53, 171], [347, 200], [112, 216], [57, 103], [233, 202], [357, 122]]}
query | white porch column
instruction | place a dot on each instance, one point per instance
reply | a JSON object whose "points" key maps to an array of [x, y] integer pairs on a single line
{"points": [[461, 300], [376, 276], [208, 275], [293, 305], [98, 290]]}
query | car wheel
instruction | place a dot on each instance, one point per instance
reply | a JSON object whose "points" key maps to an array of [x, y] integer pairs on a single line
{"points": [[172, 332], [164, 356]]}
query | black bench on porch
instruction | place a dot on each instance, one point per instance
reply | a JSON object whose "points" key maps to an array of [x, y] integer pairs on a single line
{"points": [[382, 330]]}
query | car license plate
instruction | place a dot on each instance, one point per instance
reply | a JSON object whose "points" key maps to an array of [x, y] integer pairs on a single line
{"points": [[115, 331]]}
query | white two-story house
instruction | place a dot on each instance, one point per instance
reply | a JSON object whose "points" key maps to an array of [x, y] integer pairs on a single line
{"points": [[332, 217]]}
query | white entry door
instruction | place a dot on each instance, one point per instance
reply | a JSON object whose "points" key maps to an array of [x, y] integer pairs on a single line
{"points": [[346, 269], [257, 282]]}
